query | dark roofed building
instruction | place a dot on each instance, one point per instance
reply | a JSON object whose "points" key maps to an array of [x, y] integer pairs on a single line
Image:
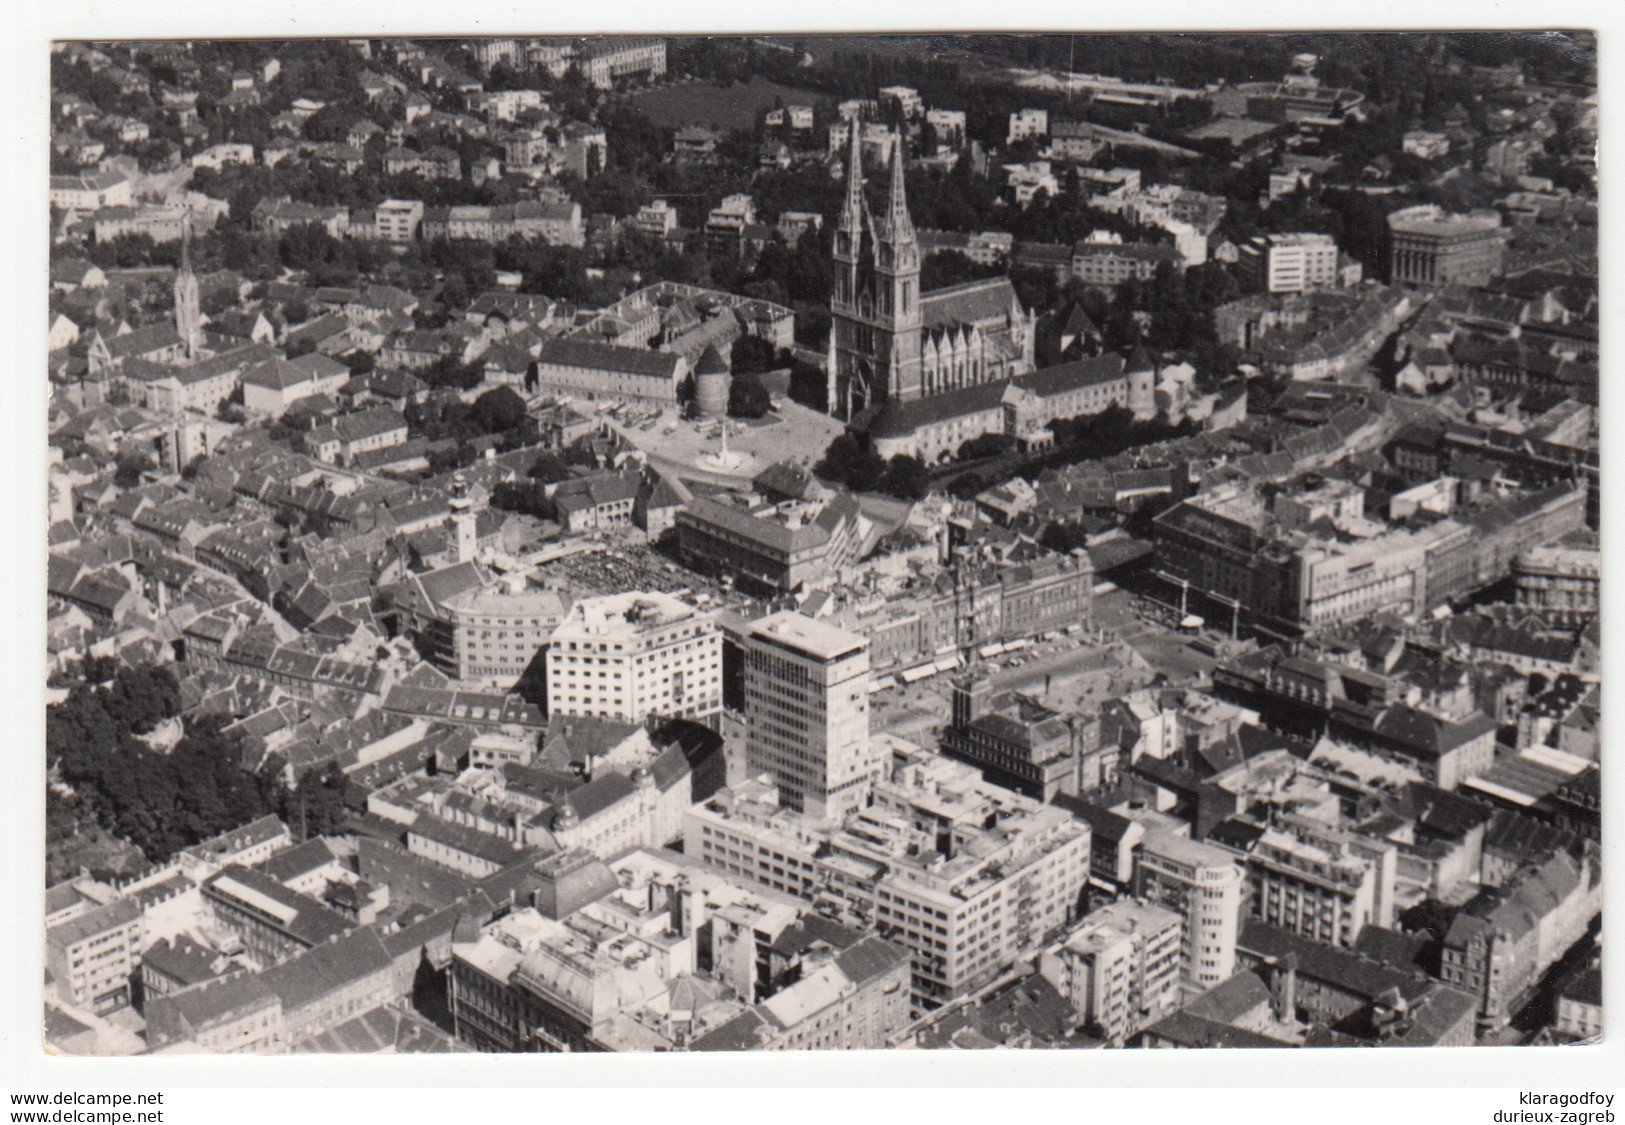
{"points": [[583, 368], [273, 921], [237, 1015]]}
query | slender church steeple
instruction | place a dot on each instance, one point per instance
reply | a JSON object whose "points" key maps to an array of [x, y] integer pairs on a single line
{"points": [[899, 228], [855, 206], [188, 313]]}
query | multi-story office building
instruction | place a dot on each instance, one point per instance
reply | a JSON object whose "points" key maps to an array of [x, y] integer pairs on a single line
{"points": [[1433, 247], [657, 953], [629, 656], [475, 631], [1203, 884], [1288, 572], [1563, 579], [1289, 263], [967, 876], [807, 712], [968, 606], [1119, 968], [1013, 739], [274, 922], [1320, 882], [91, 956]]}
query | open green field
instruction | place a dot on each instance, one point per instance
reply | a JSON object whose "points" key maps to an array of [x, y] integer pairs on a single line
{"points": [[723, 107]]}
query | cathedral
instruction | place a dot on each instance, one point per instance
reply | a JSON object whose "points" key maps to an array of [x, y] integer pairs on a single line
{"points": [[889, 341]]}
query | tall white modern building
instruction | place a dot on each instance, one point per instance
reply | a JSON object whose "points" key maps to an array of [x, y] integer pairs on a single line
{"points": [[807, 713], [1203, 883], [629, 656]]}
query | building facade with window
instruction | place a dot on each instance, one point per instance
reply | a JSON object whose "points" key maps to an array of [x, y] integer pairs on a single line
{"points": [[1202, 883], [807, 712], [966, 875], [91, 957], [629, 656]]}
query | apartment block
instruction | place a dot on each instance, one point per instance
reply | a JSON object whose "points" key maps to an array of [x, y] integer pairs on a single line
{"points": [[1289, 263], [1320, 882], [629, 656], [1203, 884], [91, 956], [1119, 968], [967, 876], [398, 220]]}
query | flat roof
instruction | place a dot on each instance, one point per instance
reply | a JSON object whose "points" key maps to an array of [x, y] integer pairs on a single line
{"points": [[815, 638]]}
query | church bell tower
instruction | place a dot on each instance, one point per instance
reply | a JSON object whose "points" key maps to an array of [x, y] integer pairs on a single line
{"points": [[875, 326]]}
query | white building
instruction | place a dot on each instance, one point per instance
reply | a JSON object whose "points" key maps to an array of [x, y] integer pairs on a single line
{"points": [[732, 215], [966, 875], [90, 190], [629, 656], [1321, 882], [1119, 968], [1028, 123], [948, 126], [1426, 145], [92, 955], [273, 386], [906, 97], [1029, 179], [807, 712], [398, 220], [658, 218], [1203, 883], [1289, 262]]}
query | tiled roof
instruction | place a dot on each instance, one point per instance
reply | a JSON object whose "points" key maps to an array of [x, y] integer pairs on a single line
{"points": [[277, 375], [369, 423], [98, 920], [1340, 968], [143, 341], [1066, 377], [769, 533], [321, 970], [968, 302], [608, 357], [1428, 735], [899, 419], [194, 1010]]}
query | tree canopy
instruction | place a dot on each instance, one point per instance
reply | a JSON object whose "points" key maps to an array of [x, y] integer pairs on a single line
{"points": [[498, 410], [159, 801]]}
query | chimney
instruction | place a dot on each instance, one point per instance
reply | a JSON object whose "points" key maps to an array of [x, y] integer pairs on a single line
{"points": [[1284, 988]]}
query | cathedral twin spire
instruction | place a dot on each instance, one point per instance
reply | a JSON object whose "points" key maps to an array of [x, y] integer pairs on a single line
{"points": [[899, 228], [895, 231], [875, 332]]}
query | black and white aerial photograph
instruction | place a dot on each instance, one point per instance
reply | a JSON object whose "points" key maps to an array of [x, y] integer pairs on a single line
{"points": [[819, 542]]}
